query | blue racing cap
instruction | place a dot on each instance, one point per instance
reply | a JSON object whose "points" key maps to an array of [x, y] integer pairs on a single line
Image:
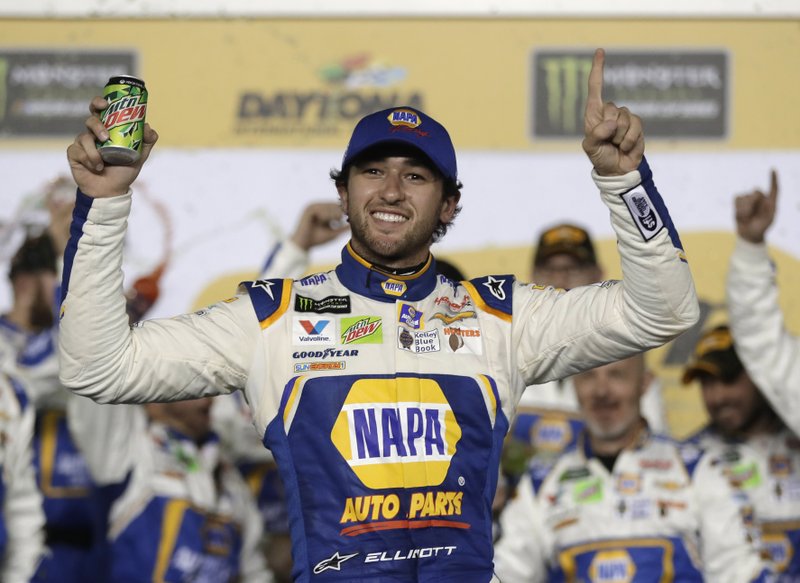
{"points": [[408, 126]]}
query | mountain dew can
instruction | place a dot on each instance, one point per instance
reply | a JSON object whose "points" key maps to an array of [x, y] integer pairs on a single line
{"points": [[124, 120]]}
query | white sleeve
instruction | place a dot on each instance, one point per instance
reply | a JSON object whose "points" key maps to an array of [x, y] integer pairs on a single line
{"points": [[769, 353], [102, 357], [561, 333], [728, 556], [106, 435], [232, 420], [519, 555], [285, 261], [22, 504]]}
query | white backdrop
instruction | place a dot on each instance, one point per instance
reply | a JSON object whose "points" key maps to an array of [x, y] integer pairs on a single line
{"points": [[227, 207]]}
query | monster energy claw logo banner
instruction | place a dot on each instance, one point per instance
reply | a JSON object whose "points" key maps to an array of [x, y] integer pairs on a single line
{"points": [[678, 94], [46, 93]]}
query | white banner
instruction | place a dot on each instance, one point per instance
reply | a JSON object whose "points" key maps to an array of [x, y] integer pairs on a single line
{"points": [[409, 8], [226, 208]]}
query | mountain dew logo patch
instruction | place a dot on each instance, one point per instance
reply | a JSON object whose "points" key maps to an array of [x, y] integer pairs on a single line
{"points": [[361, 330], [397, 433]]}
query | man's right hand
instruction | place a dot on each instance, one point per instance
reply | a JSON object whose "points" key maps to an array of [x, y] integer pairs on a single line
{"points": [[91, 174], [756, 211], [320, 222]]}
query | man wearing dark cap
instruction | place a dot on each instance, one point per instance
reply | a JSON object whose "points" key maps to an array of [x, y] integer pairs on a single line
{"points": [[760, 455], [548, 419], [565, 258], [383, 390]]}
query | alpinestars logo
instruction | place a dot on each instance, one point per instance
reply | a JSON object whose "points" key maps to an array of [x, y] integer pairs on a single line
{"points": [[332, 564], [495, 287]]}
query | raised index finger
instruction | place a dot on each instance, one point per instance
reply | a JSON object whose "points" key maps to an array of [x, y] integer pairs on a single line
{"points": [[595, 98], [773, 186]]}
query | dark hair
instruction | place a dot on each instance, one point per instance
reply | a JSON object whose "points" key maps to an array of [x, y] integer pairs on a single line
{"points": [[450, 187], [449, 270], [35, 254]]}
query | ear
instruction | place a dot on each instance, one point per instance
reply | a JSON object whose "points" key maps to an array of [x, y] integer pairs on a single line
{"points": [[449, 205], [343, 198]]}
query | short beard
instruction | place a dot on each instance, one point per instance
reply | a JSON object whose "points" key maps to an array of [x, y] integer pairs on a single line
{"points": [[388, 252]]}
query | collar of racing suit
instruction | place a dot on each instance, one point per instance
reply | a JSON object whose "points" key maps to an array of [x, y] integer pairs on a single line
{"points": [[364, 278]]}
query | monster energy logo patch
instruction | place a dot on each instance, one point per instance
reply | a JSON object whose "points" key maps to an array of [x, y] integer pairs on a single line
{"points": [[330, 304], [678, 93]]}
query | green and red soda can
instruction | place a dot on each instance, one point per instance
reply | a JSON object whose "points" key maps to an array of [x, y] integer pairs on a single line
{"points": [[124, 119]]}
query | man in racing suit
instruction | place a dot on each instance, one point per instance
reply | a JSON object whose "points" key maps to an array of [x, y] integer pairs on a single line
{"points": [[748, 440], [624, 504], [21, 515], [547, 419], [178, 509], [383, 390], [769, 352]]}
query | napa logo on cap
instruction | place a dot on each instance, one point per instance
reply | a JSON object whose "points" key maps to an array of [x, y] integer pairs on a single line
{"points": [[551, 434], [612, 567], [404, 117], [397, 433]]}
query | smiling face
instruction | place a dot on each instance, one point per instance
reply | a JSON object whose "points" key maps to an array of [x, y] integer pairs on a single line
{"points": [[394, 204], [736, 407], [609, 400]]}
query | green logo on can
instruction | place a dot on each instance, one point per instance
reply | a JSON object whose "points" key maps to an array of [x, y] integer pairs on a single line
{"points": [[124, 119]]}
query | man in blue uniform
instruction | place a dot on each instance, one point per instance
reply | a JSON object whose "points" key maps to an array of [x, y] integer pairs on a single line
{"points": [[383, 389]]}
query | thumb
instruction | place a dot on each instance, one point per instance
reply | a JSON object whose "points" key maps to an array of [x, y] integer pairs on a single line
{"points": [[149, 139]]}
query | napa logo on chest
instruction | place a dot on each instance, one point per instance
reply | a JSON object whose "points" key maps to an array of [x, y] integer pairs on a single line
{"points": [[612, 566], [551, 434], [397, 433]]}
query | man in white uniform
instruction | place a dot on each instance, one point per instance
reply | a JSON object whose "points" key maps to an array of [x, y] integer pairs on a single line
{"points": [[383, 390]]}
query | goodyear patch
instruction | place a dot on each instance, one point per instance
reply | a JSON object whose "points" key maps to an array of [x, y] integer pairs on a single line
{"points": [[361, 330], [316, 331], [418, 342], [397, 432]]}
